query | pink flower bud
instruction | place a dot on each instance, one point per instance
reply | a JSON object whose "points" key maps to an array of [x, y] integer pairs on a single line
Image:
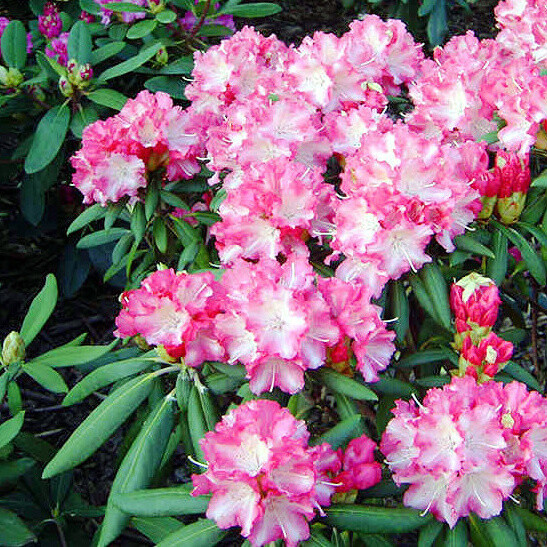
{"points": [[360, 470], [514, 175], [475, 300], [486, 359]]}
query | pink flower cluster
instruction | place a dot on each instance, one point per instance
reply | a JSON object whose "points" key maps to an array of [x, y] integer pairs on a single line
{"points": [[50, 23], [467, 447], [265, 478], [118, 153], [58, 48]]}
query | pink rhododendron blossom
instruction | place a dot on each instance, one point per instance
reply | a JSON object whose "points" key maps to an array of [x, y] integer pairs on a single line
{"points": [[467, 446], [50, 23], [58, 48], [265, 478]]}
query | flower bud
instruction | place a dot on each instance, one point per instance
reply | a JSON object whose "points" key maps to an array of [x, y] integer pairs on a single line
{"points": [[13, 349], [67, 89], [475, 300], [156, 6], [514, 174], [85, 72], [485, 360], [162, 56], [11, 77]]}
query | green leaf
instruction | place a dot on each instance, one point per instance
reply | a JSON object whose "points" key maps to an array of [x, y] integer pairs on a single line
{"points": [[106, 375], [160, 235], [514, 520], [203, 533], [124, 7], [173, 86], [10, 471], [427, 356], [522, 375], [13, 531], [433, 381], [478, 532], [534, 231], [457, 536], [90, 6], [101, 237], [108, 97], [183, 65], [166, 16], [347, 386], [162, 502], [469, 243], [81, 119], [100, 425], [32, 198], [262, 9], [496, 268], [399, 308], [317, 539], [530, 520], [156, 528], [131, 64], [46, 377], [499, 532], [105, 52], [10, 428], [14, 45], [437, 25], [214, 30], [436, 288], [202, 416], [188, 255], [50, 65], [72, 356], [141, 29], [533, 261], [79, 43], [393, 386], [95, 212], [151, 200], [138, 467], [429, 533], [49, 136], [138, 222], [540, 181], [174, 200], [341, 432], [375, 520], [40, 309], [426, 7]]}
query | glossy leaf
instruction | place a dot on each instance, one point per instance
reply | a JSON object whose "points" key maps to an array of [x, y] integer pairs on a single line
{"points": [[203, 533], [79, 43], [105, 52], [71, 356], [14, 45], [10, 428], [101, 237], [46, 376], [457, 536], [496, 268], [436, 288], [100, 424], [95, 212], [469, 243], [341, 432], [131, 64], [429, 533], [342, 384], [108, 97], [261, 9], [141, 29], [40, 309], [156, 528], [13, 531]]}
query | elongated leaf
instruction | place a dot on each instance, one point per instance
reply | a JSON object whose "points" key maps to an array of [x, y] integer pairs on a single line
{"points": [[529, 255], [469, 243], [203, 533], [81, 119], [10, 471], [341, 432], [478, 532], [138, 467], [457, 536], [101, 237], [106, 375], [108, 97], [48, 138], [13, 531], [346, 386], [531, 521], [183, 65], [429, 533], [393, 386], [375, 520], [95, 212], [514, 520], [127, 7], [162, 502], [10, 428], [171, 85], [420, 292], [437, 25], [105, 52], [497, 268], [71, 356], [540, 181], [427, 356], [436, 288], [138, 222], [79, 43], [14, 45], [40, 309], [534, 231], [399, 308], [262, 9], [100, 424], [522, 375], [46, 377], [156, 528], [141, 29], [500, 532], [131, 64], [166, 16]]}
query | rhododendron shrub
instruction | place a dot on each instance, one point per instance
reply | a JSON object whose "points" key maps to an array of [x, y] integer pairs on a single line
{"points": [[467, 446], [265, 478]]}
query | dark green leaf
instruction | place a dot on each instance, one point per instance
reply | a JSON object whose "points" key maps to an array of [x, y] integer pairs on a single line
{"points": [[393, 386], [46, 377], [173, 86], [79, 43], [540, 181], [100, 424], [457, 536], [81, 119], [427, 356], [10, 428], [14, 45], [13, 531], [437, 25], [183, 65], [101, 237], [469, 243], [49, 136], [156, 528], [534, 231], [346, 386], [531, 520], [32, 199], [515, 521], [429, 533], [108, 97], [138, 222], [522, 375], [161, 502], [341, 432], [90, 6], [95, 212], [262, 9], [160, 235], [436, 288], [141, 29], [496, 268], [105, 52], [131, 64], [127, 7], [166, 16], [40, 309], [10, 471], [138, 467], [375, 520], [203, 533], [72, 356], [499, 532], [399, 308]]}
